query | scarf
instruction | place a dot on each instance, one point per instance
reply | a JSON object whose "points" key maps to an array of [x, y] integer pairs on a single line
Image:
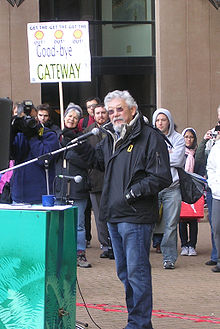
{"points": [[190, 160]]}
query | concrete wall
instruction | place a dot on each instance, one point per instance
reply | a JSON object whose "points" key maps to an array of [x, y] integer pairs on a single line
{"points": [[14, 65], [188, 58], [188, 61]]}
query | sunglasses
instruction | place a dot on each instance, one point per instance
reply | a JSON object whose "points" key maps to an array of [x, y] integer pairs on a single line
{"points": [[118, 110]]}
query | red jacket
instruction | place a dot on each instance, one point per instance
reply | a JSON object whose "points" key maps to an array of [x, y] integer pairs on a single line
{"points": [[85, 122]]}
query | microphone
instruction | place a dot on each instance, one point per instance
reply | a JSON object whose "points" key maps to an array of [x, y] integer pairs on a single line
{"points": [[77, 179], [94, 131]]}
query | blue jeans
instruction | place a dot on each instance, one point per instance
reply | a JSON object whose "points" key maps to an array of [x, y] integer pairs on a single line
{"points": [[131, 245], [81, 232], [157, 238], [171, 199], [216, 226], [214, 256]]}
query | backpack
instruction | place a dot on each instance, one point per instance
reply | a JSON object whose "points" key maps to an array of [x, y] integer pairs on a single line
{"points": [[192, 186]]}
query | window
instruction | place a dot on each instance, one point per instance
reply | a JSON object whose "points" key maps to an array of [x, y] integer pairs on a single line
{"points": [[122, 48]]}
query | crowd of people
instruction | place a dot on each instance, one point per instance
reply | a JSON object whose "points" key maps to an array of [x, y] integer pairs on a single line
{"points": [[129, 178]]}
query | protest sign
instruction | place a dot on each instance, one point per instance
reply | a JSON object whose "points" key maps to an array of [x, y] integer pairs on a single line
{"points": [[59, 51]]}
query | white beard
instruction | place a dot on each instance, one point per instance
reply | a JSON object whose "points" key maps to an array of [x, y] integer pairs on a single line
{"points": [[118, 128]]}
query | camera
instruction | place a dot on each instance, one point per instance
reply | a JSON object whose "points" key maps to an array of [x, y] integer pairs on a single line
{"points": [[215, 133], [28, 106], [23, 122]]}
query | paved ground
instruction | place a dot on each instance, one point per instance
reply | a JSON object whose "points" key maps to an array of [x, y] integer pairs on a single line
{"points": [[185, 298]]}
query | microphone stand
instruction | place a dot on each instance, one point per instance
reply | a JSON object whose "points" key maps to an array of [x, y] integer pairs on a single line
{"points": [[46, 166], [43, 157], [68, 201]]}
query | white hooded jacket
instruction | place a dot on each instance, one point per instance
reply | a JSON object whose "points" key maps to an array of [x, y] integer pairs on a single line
{"points": [[177, 152], [213, 169]]}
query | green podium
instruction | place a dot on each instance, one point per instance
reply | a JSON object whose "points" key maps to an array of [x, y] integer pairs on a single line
{"points": [[38, 268]]}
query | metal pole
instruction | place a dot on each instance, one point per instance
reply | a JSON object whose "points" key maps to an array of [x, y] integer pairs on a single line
{"points": [[41, 157]]}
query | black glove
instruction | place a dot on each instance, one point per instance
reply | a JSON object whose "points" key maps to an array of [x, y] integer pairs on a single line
{"points": [[133, 193], [68, 135]]}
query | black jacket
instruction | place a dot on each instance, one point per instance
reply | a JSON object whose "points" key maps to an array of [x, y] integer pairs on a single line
{"points": [[71, 164], [96, 177], [141, 162]]}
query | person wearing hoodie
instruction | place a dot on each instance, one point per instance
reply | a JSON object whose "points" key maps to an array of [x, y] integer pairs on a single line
{"points": [[213, 170], [170, 197]]}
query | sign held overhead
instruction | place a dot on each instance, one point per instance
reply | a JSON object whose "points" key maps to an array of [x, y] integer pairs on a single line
{"points": [[59, 52]]}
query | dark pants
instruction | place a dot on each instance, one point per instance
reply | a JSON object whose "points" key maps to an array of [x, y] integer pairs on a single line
{"points": [[188, 240], [102, 229], [88, 220], [209, 204]]}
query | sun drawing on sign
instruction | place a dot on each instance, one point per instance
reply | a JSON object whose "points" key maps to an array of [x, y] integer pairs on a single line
{"points": [[58, 34], [39, 35], [77, 34]]}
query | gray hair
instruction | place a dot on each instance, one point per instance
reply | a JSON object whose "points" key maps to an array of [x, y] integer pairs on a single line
{"points": [[74, 107], [123, 94], [20, 109]]}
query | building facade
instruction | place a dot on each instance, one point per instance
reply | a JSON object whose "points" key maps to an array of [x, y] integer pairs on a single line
{"points": [[165, 52]]}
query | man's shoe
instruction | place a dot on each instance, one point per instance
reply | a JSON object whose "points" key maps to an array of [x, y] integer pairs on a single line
{"points": [[192, 252], [104, 254], [107, 254], [216, 269], [184, 251], [210, 263], [111, 253], [82, 261], [168, 265]]}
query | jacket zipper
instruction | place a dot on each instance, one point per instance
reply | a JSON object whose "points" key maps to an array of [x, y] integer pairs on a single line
{"points": [[158, 162]]}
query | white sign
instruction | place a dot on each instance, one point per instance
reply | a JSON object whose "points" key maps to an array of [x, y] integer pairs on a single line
{"points": [[59, 51]]}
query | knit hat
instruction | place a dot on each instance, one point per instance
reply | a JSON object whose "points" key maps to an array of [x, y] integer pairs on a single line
{"points": [[74, 107]]}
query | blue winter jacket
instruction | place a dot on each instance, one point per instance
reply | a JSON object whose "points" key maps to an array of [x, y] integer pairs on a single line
{"points": [[28, 183]]}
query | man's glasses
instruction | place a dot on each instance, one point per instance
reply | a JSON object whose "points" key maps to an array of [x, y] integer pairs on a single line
{"points": [[118, 110], [92, 106]]}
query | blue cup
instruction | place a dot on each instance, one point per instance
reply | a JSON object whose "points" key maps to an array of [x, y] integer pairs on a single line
{"points": [[48, 200]]}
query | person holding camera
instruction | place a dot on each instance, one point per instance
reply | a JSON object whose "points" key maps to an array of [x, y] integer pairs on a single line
{"points": [[29, 140], [213, 170], [201, 157]]}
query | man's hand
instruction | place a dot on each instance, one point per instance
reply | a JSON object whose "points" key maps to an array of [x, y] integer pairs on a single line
{"points": [[133, 193], [208, 135]]}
